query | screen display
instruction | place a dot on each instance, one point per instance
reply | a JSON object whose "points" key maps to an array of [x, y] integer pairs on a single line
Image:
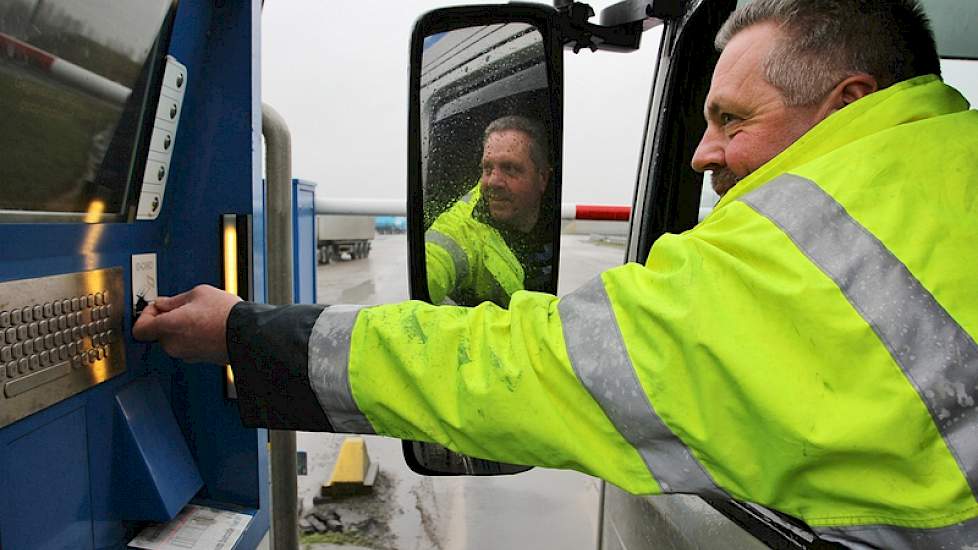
{"points": [[74, 86]]}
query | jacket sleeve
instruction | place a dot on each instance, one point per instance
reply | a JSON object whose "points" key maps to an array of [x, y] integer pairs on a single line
{"points": [[441, 271], [268, 349], [489, 382]]}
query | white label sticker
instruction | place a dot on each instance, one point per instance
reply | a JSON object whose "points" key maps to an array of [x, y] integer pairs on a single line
{"points": [[144, 278]]}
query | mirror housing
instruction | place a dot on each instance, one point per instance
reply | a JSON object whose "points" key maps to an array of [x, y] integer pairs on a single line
{"points": [[487, 62], [485, 98]]}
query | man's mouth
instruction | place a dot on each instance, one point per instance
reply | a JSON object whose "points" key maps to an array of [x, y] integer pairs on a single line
{"points": [[724, 180]]}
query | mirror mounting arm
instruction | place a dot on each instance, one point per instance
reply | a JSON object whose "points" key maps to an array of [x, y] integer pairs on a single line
{"points": [[621, 27]]}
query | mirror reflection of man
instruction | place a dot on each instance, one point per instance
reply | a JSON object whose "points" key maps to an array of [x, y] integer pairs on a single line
{"points": [[496, 239], [515, 172]]}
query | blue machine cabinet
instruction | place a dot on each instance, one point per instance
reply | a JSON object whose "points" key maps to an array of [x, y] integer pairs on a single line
{"points": [[93, 469], [304, 241]]}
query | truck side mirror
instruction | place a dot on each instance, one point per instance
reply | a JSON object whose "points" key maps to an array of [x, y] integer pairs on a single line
{"points": [[484, 158]]}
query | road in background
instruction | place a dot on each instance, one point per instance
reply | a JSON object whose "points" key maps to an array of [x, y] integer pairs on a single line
{"points": [[541, 509]]}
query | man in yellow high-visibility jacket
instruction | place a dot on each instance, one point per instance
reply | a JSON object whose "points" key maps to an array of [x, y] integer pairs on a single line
{"points": [[809, 347], [496, 239]]}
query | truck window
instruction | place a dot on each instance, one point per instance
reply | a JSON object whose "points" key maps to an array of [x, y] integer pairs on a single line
{"points": [[963, 75]]}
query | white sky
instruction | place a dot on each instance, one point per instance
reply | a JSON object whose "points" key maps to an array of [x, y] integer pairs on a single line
{"points": [[337, 71]]}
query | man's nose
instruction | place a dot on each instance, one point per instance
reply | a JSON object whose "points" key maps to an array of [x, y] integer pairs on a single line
{"points": [[494, 178], [709, 154]]}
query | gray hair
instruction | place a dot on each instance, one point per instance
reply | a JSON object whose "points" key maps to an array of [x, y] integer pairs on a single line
{"points": [[825, 41], [538, 136]]}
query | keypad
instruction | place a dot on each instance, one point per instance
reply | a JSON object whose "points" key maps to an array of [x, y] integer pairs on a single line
{"points": [[59, 335], [70, 331]]}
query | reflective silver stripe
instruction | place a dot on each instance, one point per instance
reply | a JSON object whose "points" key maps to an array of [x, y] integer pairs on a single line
{"points": [[459, 258], [329, 362], [962, 536], [938, 357], [598, 356]]}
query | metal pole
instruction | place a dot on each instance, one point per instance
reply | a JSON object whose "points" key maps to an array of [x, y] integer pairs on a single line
{"points": [[278, 206]]}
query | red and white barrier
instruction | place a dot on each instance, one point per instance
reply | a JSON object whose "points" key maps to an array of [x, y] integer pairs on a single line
{"points": [[64, 71], [383, 207], [595, 212]]}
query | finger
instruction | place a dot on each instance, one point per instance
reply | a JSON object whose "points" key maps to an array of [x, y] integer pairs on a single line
{"points": [[169, 303], [146, 328]]}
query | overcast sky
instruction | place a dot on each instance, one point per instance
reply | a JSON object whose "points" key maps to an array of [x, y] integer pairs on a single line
{"points": [[337, 71]]}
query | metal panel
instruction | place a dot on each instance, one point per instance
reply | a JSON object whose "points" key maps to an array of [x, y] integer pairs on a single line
{"points": [[667, 522]]}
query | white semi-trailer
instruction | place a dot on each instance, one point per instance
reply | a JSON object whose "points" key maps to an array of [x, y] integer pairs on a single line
{"points": [[337, 236]]}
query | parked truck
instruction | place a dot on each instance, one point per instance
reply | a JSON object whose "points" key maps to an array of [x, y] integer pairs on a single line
{"points": [[339, 235]]}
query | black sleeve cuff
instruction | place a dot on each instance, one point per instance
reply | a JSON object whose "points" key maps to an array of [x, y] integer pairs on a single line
{"points": [[268, 347]]}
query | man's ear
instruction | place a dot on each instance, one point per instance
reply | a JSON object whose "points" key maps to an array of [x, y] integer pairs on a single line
{"points": [[848, 91], [545, 176]]}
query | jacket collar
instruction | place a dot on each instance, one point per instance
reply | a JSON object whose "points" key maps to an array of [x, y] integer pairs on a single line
{"points": [[908, 101]]}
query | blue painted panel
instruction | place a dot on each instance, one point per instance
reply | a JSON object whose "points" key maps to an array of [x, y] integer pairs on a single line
{"points": [[160, 475], [47, 504], [215, 170], [304, 241]]}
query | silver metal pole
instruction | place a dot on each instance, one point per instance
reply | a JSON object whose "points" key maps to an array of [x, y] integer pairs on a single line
{"points": [[278, 207]]}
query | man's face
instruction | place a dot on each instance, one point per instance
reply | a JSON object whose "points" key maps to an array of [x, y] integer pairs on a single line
{"points": [[511, 183], [748, 123]]}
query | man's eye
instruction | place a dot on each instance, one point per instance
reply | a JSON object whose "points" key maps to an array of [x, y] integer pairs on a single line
{"points": [[727, 118]]}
